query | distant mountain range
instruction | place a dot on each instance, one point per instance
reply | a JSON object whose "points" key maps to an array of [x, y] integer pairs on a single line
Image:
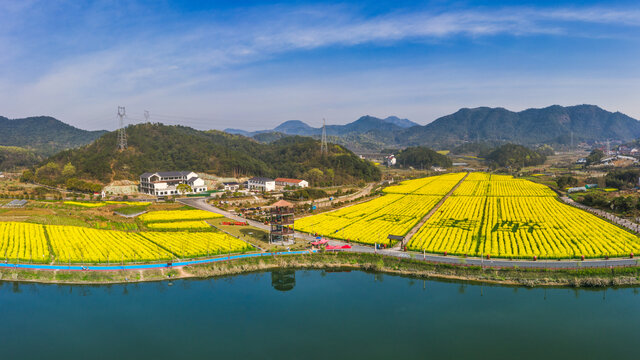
{"points": [[551, 125], [362, 125], [43, 135]]}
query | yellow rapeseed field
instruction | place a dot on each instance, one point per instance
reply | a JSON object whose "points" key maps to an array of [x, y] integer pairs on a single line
{"points": [[25, 242], [487, 214], [186, 244], [371, 222], [79, 244], [177, 215], [85, 204], [183, 225], [513, 218]]}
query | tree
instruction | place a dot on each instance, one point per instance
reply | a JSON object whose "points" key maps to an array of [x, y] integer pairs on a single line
{"points": [[564, 181], [422, 157], [512, 155], [183, 188], [48, 171], [314, 175], [622, 203], [331, 174], [27, 176], [68, 170], [595, 156]]}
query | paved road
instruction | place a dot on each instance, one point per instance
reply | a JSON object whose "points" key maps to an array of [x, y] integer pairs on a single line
{"points": [[440, 259], [325, 202]]}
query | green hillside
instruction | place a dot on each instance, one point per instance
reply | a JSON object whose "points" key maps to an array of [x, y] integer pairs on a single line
{"points": [[551, 125], [157, 147], [43, 135], [13, 156]]}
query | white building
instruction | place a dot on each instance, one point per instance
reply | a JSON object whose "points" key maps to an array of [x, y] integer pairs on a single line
{"points": [[261, 184], [231, 186], [165, 183], [391, 160], [291, 182]]}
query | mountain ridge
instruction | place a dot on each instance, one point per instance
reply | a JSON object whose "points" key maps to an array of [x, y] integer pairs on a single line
{"points": [[45, 135], [362, 124], [554, 124]]}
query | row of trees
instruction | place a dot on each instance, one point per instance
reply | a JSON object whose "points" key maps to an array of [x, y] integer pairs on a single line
{"points": [[52, 174], [620, 204], [421, 157], [515, 156]]}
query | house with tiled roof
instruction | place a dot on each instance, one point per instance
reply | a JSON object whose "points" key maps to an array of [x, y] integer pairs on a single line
{"points": [[165, 183], [291, 182]]}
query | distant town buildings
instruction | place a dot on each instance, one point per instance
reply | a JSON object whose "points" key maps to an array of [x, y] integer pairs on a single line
{"points": [[164, 183]]}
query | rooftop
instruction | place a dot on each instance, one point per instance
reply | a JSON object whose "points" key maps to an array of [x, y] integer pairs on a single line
{"points": [[282, 203], [166, 173], [295, 181], [261, 179]]}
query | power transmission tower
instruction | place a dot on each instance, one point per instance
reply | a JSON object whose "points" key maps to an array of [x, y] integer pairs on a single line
{"points": [[122, 135], [572, 140], [323, 146], [146, 116]]}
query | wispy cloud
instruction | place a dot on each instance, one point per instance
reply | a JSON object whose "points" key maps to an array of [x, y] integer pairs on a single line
{"points": [[101, 54]]}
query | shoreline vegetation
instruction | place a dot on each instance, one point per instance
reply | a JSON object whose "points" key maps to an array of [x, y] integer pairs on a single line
{"points": [[587, 277]]}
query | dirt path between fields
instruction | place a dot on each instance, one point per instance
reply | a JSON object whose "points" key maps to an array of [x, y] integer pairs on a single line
{"points": [[414, 230]]}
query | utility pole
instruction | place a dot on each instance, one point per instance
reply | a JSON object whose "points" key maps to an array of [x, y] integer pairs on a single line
{"points": [[146, 116], [572, 140], [122, 135], [323, 145]]}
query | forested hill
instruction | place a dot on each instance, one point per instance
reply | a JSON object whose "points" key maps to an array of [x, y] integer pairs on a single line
{"points": [[157, 147], [552, 125], [43, 135]]}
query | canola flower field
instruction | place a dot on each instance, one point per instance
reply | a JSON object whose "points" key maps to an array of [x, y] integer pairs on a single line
{"points": [[89, 204], [197, 224], [371, 222], [26, 242], [487, 214], [177, 215]]}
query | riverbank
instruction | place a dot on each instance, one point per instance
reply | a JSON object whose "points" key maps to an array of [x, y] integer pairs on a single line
{"points": [[588, 277]]}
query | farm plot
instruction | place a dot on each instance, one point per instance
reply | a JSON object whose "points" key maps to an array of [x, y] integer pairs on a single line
{"points": [[516, 218], [79, 244], [370, 222], [186, 244], [177, 215], [23, 242]]}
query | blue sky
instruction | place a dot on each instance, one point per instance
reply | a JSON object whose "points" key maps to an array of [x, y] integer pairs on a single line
{"points": [[254, 64]]}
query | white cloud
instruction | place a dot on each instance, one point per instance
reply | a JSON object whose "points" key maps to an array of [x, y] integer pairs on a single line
{"points": [[191, 66]]}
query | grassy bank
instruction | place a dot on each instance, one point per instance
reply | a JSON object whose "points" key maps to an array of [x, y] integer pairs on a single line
{"points": [[366, 262]]}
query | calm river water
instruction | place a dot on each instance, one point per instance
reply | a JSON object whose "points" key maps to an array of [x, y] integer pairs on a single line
{"points": [[315, 315]]}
